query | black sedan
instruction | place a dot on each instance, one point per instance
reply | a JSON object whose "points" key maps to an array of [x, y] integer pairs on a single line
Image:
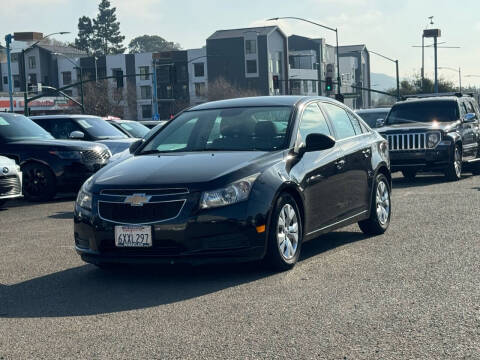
{"points": [[84, 127], [237, 180], [48, 165]]}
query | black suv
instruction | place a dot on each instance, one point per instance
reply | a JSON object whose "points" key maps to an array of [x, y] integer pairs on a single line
{"points": [[435, 132], [48, 165]]}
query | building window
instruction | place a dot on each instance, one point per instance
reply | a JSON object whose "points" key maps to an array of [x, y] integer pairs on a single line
{"points": [[295, 87], [118, 74], [5, 80], [185, 90], [182, 72], [251, 66], [305, 86], [144, 72], [314, 86], [33, 79], [32, 62], [14, 57], [168, 91], [67, 77], [279, 62], [250, 47], [16, 81], [200, 89], [146, 111], [199, 69], [146, 92]]}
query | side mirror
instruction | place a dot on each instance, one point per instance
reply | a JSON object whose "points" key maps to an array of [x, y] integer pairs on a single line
{"points": [[380, 122], [76, 135], [317, 142], [135, 145], [469, 118]]}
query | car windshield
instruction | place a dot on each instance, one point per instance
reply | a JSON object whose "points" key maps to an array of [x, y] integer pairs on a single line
{"points": [[99, 128], [232, 129], [371, 117], [14, 127], [423, 111], [134, 128]]}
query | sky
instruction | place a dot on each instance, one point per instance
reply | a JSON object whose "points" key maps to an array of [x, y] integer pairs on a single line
{"points": [[390, 27]]}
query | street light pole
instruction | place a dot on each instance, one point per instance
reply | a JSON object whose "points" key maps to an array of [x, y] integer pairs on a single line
{"points": [[336, 38], [396, 69], [81, 76], [8, 40]]}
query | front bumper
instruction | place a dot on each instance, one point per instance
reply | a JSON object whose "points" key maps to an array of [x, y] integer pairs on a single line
{"points": [[226, 234], [11, 186], [421, 160]]}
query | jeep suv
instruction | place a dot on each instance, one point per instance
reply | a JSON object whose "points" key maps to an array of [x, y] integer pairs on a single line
{"points": [[437, 132]]}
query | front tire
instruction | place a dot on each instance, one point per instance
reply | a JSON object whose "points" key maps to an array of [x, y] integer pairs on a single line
{"points": [[38, 182], [380, 208], [285, 234], [454, 169]]}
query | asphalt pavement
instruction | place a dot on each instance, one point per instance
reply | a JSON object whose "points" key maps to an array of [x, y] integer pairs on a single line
{"points": [[412, 293]]}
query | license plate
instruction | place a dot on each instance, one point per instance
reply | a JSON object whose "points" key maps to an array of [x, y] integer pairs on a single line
{"points": [[133, 236]]}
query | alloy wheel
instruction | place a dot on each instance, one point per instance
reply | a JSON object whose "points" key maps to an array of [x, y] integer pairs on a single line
{"points": [[287, 232], [458, 162], [35, 181], [383, 202]]}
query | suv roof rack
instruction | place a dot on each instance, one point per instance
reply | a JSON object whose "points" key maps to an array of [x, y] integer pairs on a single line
{"points": [[420, 96]]}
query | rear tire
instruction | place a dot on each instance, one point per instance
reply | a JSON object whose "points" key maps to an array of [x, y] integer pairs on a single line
{"points": [[2, 202], [380, 208], [454, 169], [409, 174], [38, 182], [285, 234]]}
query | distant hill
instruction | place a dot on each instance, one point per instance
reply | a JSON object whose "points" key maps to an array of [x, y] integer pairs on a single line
{"points": [[382, 81]]}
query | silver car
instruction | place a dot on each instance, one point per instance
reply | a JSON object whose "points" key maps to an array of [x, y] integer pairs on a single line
{"points": [[10, 180]]}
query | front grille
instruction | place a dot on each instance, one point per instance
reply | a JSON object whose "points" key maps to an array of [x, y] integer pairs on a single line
{"points": [[148, 213], [152, 192], [400, 142], [95, 155], [10, 185]]}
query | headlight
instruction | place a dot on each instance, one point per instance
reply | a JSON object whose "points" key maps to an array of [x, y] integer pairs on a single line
{"points": [[67, 155], [433, 139], [231, 194], [84, 197]]}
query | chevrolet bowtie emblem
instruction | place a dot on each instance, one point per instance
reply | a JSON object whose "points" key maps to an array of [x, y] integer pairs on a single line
{"points": [[137, 199]]}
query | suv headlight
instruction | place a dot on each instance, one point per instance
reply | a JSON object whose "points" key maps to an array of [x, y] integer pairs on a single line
{"points": [[67, 155], [433, 139], [84, 197], [231, 194]]}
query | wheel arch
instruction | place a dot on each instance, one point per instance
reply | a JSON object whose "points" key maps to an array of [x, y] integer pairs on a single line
{"points": [[33, 161], [291, 189]]}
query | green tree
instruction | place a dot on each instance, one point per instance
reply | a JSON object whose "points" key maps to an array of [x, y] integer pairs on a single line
{"points": [[106, 28], [85, 37], [151, 43]]}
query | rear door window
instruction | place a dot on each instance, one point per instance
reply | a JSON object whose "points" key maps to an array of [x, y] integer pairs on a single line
{"points": [[341, 122]]}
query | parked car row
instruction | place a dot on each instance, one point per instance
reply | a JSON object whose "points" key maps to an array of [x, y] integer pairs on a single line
{"points": [[58, 152]]}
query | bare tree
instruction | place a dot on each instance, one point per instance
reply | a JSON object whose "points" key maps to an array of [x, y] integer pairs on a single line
{"points": [[221, 89], [103, 99]]}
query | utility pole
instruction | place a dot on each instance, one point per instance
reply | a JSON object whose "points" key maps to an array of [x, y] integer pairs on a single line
{"points": [[8, 40], [435, 34], [398, 80]]}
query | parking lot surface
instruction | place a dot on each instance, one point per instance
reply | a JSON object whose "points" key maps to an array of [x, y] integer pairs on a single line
{"points": [[411, 293]]}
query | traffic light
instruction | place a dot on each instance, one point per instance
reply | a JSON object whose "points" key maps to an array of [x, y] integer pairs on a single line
{"points": [[276, 83], [328, 83]]}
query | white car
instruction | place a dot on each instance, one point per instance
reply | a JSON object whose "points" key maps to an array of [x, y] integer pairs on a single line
{"points": [[10, 180]]}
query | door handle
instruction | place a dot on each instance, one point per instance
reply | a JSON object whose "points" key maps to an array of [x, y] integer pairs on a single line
{"points": [[366, 153], [340, 164]]}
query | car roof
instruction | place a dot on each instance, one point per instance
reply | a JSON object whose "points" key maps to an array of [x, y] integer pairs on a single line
{"points": [[284, 100], [363, 111], [120, 121], [430, 99], [68, 116]]}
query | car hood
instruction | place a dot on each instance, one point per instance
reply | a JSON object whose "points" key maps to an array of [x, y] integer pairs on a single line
{"points": [[418, 126], [117, 145], [188, 169], [62, 145]]}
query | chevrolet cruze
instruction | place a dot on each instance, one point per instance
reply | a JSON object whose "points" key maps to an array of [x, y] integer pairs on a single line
{"points": [[237, 180]]}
